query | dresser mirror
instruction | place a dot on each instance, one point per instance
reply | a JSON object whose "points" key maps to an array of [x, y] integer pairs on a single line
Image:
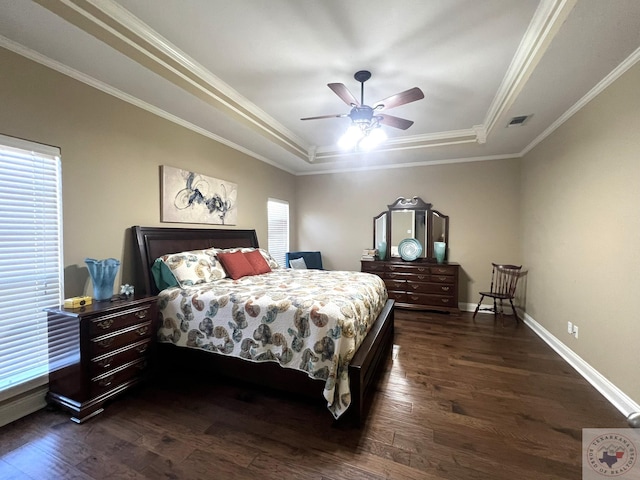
{"points": [[380, 234], [410, 218]]}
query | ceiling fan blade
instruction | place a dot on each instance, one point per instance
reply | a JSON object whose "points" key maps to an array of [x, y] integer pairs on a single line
{"points": [[395, 122], [398, 99], [339, 115], [344, 93]]}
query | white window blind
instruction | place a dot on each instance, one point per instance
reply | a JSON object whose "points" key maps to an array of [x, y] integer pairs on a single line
{"points": [[278, 226], [30, 260]]}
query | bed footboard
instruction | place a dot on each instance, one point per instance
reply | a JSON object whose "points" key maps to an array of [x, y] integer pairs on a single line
{"points": [[368, 361]]}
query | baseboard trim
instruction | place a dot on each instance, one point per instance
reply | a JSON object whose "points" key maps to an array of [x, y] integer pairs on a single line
{"points": [[23, 405], [620, 400]]}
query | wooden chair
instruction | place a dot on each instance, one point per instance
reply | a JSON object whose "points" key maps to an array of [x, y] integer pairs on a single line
{"points": [[504, 280]]}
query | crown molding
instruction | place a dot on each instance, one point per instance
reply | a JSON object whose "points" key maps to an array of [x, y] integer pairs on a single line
{"points": [[116, 26], [114, 92], [546, 22], [121, 30], [616, 73]]}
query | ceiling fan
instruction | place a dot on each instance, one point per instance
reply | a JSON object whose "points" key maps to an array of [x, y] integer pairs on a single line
{"points": [[369, 118]]}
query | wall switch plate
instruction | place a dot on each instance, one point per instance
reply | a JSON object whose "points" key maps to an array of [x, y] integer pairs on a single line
{"points": [[575, 331], [569, 328]]}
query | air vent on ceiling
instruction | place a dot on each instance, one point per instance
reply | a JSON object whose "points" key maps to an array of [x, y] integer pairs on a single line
{"points": [[519, 121]]}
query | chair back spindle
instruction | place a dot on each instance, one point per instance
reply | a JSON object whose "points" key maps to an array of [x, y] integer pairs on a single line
{"points": [[504, 280]]}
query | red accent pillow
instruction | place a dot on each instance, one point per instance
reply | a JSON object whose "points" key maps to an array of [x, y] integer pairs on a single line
{"points": [[236, 264], [257, 261]]}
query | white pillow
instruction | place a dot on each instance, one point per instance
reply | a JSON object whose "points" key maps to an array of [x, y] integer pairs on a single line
{"points": [[298, 263]]}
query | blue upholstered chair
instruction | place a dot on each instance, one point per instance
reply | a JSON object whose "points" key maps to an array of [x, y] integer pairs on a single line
{"points": [[311, 259]]}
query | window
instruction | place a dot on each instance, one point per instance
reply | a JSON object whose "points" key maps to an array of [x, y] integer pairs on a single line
{"points": [[278, 218], [30, 260]]}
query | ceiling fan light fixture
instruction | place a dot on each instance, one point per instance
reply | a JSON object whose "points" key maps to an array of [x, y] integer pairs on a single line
{"points": [[351, 137], [375, 137]]}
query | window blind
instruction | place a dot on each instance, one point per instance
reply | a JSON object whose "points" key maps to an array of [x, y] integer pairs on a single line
{"points": [[30, 260], [278, 229]]}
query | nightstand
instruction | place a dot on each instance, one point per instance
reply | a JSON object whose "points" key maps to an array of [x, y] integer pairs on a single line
{"points": [[111, 346]]}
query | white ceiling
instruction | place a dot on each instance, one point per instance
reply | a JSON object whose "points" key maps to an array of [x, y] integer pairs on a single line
{"points": [[245, 72]]}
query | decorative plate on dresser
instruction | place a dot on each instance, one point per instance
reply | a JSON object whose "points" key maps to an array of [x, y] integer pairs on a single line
{"points": [[413, 277], [409, 249], [112, 345]]}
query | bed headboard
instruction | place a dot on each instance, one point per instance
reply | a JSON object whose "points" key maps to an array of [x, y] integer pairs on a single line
{"points": [[153, 242]]}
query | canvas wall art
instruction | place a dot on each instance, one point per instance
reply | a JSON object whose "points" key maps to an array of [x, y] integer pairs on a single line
{"points": [[189, 197]]}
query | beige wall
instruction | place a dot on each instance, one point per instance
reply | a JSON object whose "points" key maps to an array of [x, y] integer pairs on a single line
{"points": [[111, 153], [335, 213], [568, 211], [581, 232]]}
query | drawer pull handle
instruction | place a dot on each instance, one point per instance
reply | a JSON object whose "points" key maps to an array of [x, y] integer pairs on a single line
{"points": [[106, 342], [422, 277], [445, 289], [142, 330], [105, 382], [106, 363], [422, 269], [141, 349], [444, 300], [141, 314], [442, 279], [105, 324]]}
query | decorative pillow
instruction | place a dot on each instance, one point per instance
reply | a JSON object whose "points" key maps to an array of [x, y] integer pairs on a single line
{"points": [[298, 263], [217, 270], [257, 261], [273, 264], [189, 268], [270, 260], [162, 275], [236, 264]]}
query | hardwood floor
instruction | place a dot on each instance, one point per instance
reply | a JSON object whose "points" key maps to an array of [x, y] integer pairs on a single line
{"points": [[458, 401]]}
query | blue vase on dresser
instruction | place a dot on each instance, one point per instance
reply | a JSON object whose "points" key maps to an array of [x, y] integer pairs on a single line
{"points": [[382, 250], [439, 249], [103, 274]]}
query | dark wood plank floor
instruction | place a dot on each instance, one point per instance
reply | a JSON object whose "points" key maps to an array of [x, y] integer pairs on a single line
{"points": [[458, 401]]}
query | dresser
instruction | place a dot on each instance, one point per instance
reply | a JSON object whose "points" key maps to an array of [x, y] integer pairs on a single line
{"points": [[418, 285], [110, 351]]}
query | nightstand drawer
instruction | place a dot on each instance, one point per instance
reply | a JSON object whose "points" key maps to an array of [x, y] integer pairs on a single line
{"points": [[114, 378], [107, 324], [117, 358], [113, 341]]}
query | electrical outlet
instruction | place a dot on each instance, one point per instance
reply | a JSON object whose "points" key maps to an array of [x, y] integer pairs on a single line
{"points": [[575, 331], [570, 328]]}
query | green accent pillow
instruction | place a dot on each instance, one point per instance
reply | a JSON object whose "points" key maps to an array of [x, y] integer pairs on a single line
{"points": [[163, 275]]}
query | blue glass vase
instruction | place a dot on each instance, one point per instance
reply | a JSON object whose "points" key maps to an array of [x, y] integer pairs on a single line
{"points": [[103, 274], [382, 250], [439, 249]]}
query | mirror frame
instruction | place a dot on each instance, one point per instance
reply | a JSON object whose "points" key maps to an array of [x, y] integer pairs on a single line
{"points": [[415, 204]]}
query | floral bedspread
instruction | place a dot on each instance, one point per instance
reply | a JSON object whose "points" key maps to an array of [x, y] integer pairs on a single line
{"points": [[309, 320]]}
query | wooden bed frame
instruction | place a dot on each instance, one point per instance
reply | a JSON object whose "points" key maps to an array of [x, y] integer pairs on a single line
{"points": [[153, 242]]}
